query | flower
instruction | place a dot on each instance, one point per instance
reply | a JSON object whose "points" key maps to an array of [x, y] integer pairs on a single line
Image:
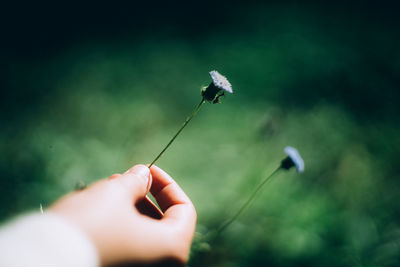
{"points": [[217, 87], [212, 93], [221, 81], [293, 159]]}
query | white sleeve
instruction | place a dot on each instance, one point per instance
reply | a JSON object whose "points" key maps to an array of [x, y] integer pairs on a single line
{"points": [[45, 240]]}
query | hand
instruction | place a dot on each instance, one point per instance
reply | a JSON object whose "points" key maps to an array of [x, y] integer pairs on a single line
{"points": [[124, 225]]}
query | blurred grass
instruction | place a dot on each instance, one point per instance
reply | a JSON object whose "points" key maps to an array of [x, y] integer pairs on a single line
{"points": [[328, 89]]}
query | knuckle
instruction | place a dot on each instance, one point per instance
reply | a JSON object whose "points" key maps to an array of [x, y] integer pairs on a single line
{"points": [[182, 245], [180, 251], [194, 212], [177, 247], [114, 176], [115, 187]]}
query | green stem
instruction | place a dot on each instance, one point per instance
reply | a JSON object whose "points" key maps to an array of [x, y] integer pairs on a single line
{"points": [[244, 206], [179, 131]]}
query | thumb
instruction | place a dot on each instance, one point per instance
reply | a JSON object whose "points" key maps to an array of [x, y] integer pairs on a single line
{"points": [[137, 181]]}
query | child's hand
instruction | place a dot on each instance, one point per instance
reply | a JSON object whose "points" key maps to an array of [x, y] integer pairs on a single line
{"points": [[124, 224]]}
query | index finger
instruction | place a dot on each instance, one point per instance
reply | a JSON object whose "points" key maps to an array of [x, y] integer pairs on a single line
{"points": [[176, 205]]}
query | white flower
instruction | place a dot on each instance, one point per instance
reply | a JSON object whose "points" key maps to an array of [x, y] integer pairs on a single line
{"points": [[221, 81], [217, 88], [295, 157]]}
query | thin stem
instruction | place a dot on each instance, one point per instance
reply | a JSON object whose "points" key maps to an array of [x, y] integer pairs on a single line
{"points": [[179, 131], [244, 206]]}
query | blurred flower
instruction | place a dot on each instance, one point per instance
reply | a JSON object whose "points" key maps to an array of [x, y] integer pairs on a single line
{"points": [[217, 87], [292, 160]]}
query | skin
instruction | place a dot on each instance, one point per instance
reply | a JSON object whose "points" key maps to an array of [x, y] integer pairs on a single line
{"points": [[123, 223]]}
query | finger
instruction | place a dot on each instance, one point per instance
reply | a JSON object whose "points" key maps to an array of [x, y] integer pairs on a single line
{"points": [[175, 204], [115, 175], [147, 207], [136, 181]]}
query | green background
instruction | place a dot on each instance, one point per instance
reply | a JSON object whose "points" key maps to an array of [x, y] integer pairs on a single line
{"points": [[90, 90]]}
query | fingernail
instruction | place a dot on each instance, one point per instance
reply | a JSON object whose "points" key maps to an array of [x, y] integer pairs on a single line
{"points": [[143, 171], [140, 170]]}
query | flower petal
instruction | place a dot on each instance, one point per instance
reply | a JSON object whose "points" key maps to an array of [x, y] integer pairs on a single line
{"points": [[296, 158], [221, 81]]}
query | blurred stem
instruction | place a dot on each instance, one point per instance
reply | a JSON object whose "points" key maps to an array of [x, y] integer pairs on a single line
{"points": [[247, 203], [179, 131]]}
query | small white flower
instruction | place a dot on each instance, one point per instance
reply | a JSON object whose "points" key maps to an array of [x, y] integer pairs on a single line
{"points": [[295, 157], [221, 81]]}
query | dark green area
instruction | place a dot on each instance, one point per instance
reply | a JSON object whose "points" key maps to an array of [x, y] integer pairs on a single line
{"points": [[90, 94]]}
